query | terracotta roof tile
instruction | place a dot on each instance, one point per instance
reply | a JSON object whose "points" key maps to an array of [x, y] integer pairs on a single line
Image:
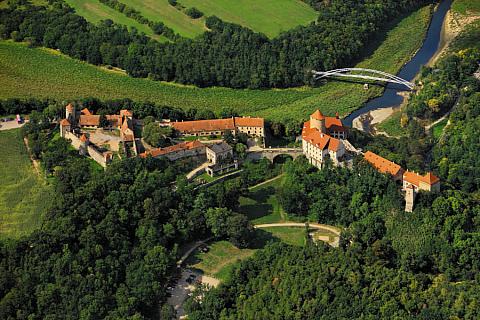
{"points": [[64, 122], [415, 178], [93, 120], [86, 112], [249, 122], [204, 125], [69, 107], [83, 138], [317, 115], [189, 145], [381, 164]]}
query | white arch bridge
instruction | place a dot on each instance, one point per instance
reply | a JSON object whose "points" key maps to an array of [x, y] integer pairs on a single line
{"points": [[361, 73]]}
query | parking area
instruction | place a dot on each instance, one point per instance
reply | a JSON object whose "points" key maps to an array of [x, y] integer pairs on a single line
{"points": [[9, 125]]}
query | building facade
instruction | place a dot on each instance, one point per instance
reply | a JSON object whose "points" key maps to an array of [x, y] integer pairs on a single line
{"points": [[254, 127], [321, 139], [218, 152], [178, 151]]}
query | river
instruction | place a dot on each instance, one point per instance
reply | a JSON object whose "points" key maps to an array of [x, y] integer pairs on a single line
{"points": [[431, 44]]}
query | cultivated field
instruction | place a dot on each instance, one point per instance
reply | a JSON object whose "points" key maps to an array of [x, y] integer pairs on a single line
{"points": [[95, 11], [26, 72], [23, 195], [266, 16]]}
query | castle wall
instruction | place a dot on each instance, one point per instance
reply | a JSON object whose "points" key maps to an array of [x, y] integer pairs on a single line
{"points": [[97, 156], [76, 143]]}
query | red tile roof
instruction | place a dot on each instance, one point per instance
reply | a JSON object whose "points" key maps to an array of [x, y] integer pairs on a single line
{"points": [[381, 164], [415, 178], [64, 122], [319, 139], [86, 112], [317, 115], [93, 120], [204, 125], [189, 145], [83, 138], [249, 122], [69, 107]]}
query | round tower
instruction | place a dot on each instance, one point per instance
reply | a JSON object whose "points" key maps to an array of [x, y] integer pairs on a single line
{"points": [[70, 112], [317, 121]]}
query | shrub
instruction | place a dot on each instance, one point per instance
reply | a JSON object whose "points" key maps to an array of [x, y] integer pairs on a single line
{"points": [[194, 13]]}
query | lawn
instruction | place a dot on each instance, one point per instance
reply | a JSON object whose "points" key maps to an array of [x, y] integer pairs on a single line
{"points": [[24, 197], [43, 73], [391, 125], [218, 261], [294, 236], [438, 128], [261, 206], [95, 11], [269, 17]]}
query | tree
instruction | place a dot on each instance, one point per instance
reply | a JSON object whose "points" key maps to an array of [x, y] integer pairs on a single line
{"points": [[194, 13], [241, 150]]}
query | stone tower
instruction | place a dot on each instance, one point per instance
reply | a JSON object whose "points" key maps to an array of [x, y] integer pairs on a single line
{"points": [[70, 113], [317, 121], [409, 198]]}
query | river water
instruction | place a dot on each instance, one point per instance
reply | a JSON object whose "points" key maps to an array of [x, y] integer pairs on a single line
{"points": [[390, 97]]}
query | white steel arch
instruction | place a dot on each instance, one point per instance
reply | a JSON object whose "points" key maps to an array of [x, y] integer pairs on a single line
{"points": [[364, 74]]}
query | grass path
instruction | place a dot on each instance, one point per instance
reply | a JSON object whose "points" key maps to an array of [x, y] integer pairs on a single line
{"points": [[24, 197]]}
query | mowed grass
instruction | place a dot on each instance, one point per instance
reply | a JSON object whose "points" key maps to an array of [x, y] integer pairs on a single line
{"points": [[43, 73], [261, 205], [219, 260], [437, 129], [269, 17], [161, 10], [24, 197], [95, 11], [466, 7], [294, 236]]}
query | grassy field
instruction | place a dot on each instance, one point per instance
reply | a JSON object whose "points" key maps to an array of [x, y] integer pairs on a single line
{"points": [[221, 257], [466, 6], [290, 235], [63, 78], [160, 10], [270, 17], [23, 195], [262, 206], [95, 11], [391, 125], [438, 128]]}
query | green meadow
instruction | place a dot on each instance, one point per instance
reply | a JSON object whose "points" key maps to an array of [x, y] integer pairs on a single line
{"points": [[23, 195], [269, 17], [95, 11]]}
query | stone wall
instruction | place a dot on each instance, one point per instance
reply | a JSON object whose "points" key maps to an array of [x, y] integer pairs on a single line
{"points": [[76, 143], [97, 156]]}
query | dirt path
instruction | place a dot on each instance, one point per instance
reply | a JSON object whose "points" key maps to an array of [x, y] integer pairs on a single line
{"points": [[265, 182], [36, 164]]}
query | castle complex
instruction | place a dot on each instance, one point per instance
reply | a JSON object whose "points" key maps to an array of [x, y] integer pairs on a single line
{"points": [[321, 139], [412, 182]]}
